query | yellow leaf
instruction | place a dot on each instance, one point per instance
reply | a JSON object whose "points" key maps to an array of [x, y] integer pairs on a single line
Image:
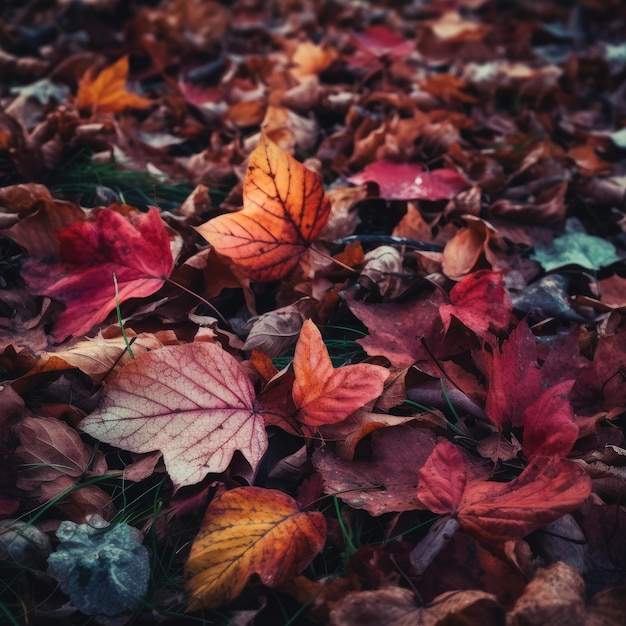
{"points": [[107, 93], [246, 531]]}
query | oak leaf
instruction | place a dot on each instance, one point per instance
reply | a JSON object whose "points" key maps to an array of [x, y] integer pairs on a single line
{"points": [[284, 210], [495, 512], [245, 531], [323, 394], [135, 248], [194, 402], [107, 92]]}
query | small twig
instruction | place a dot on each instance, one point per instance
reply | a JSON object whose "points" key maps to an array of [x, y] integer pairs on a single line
{"points": [[388, 239]]}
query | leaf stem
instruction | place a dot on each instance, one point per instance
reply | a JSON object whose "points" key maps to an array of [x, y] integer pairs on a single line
{"points": [[203, 300]]}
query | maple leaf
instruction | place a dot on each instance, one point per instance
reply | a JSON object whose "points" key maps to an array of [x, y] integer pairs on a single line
{"points": [[514, 377], [107, 93], [135, 248], [245, 531], [284, 210], [326, 395], [409, 181], [194, 402], [547, 489]]}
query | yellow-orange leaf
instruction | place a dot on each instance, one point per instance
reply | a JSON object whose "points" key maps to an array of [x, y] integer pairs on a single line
{"points": [[326, 395], [246, 531], [284, 210], [107, 93]]}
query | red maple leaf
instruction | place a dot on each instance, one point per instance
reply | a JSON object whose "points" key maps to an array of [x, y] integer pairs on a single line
{"points": [[547, 489], [134, 248]]}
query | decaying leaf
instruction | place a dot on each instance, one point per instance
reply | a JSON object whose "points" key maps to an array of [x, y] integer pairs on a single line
{"points": [[245, 531], [194, 402], [285, 209], [323, 394]]}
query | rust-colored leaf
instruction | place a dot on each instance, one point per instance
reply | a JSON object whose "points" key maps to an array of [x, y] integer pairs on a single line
{"points": [[107, 92], [284, 210], [194, 402], [326, 395], [246, 531]]}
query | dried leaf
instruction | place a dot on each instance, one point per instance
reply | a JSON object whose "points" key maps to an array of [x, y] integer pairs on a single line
{"points": [[245, 531], [194, 402], [285, 209]]}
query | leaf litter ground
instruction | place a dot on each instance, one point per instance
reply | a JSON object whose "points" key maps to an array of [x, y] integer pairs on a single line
{"points": [[313, 312]]}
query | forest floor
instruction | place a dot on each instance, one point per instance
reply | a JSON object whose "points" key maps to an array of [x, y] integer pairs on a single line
{"points": [[313, 312]]}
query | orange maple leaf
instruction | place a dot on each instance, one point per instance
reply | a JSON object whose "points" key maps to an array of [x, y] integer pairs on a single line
{"points": [[106, 92], [326, 395], [284, 210]]}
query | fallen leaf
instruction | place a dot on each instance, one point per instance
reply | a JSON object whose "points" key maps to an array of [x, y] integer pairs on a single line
{"points": [[481, 303], [323, 394], [409, 181], [104, 569], [556, 595], [549, 426], [384, 482], [395, 329], [106, 93], [193, 402], [396, 606], [495, 512], [245, 531], [135, 248], [514, 377], [285, 209], [476, 246], [50, 448], [590, 252]]}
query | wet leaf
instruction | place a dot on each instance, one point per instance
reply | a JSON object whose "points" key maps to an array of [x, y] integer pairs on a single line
{"points": [[323, 394], [409, 181], [194, 402], [246, 531], [285, 209]]}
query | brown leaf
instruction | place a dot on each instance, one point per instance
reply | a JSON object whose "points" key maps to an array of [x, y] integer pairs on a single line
{"points": [[556, 595], [386, 481], [395, 606]]}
